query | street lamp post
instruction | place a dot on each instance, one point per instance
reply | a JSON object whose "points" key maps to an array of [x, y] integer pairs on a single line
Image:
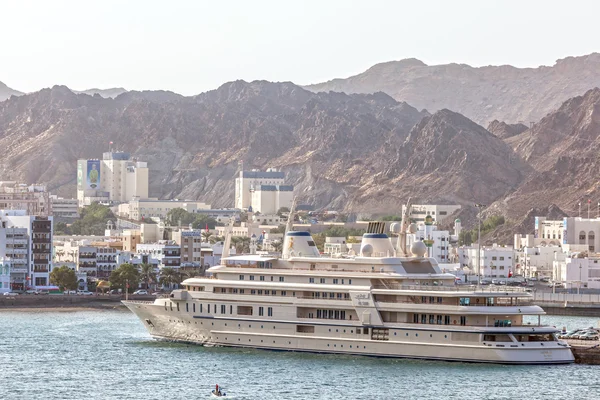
{"points": [[479, 207], [579, 286]]}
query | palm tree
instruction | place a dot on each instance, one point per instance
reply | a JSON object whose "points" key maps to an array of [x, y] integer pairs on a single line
{"points": [[147, 274], [206, 235], [277, 245], [59, 254], [169, 277]]}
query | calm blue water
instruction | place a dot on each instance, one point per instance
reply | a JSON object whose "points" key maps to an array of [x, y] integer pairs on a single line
{"points": [[109, 355]]}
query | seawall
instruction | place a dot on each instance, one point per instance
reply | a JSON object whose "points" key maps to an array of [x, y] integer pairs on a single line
{"points": [[64, 301]]}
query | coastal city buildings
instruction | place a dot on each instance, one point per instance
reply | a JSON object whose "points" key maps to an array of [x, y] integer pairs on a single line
{"points": [[64, 208], [167, 252], [495, 261], [140, 209], [265, 191], [26, 241], [114, 178], [33, 199], [439, 213]]}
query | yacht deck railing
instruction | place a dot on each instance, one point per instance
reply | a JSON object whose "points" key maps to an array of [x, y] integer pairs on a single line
{"points": [[454, 288]]}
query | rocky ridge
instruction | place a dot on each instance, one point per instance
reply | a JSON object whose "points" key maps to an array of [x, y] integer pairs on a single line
{"points": [[483, 94]]}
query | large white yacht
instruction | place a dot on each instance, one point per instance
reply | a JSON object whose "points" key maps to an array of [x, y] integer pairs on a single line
{"points": [[383, 301]]}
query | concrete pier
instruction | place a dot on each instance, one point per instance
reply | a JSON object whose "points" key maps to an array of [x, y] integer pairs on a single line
{"points": [[585, 352]]}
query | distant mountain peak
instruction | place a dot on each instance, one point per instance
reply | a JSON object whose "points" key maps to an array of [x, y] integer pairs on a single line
{"points": [[483, 94], [6, 92]]}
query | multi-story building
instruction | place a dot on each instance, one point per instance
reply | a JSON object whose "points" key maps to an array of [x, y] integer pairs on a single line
{"points": [[569, 230], [64, 208], [167, 252], [249, 181], [116, 178], [578, 272], [33, 199], [268, 199], [4, 276], [193, 249], [26, 241], [140, 209], [496, 262], [439, 213], [538, 261]]}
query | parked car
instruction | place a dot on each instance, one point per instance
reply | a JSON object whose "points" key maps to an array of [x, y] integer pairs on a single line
{"points": [[31, 291], [545, 280], [114, 291], [494, 281], [85, 293], [141, 291], [10, 294], [71, 292], [589, 335]]}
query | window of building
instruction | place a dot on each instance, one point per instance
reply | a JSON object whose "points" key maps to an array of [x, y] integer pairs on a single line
{"points": [[270, 311], [251, 277], [222, 308], [281, 279], [261, 311], [262, 278], [311, 280], [335, 281]]}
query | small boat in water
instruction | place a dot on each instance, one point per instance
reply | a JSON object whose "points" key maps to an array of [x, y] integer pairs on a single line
{"points": [[217, 392]]}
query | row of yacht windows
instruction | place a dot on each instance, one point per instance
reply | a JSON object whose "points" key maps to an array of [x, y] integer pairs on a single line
{"points": [[215, 308], [438, 319], [262, 278], [335, 281]]}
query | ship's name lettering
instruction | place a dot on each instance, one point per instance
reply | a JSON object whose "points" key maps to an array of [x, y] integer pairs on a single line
{"points": [[364, 296]]}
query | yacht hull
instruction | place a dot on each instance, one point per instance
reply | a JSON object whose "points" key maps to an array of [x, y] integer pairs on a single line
{"points": [[181, 326]]}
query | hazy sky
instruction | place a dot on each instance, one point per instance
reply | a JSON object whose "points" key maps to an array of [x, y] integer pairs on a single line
{"points": [[193, 46]]}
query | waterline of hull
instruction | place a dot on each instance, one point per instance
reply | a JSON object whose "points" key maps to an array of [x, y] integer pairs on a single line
{"points": [[184, 328]]}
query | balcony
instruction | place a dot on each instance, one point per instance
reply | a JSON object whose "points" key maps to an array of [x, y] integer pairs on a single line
{"points": [[41, 270], [41, 240]]}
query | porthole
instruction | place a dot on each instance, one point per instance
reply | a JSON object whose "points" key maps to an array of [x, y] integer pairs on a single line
{"points": [[344, 331], [445, 336], [416, 334], [225, 324], [336, 330], [261, 327], [239, 339], [327, 344], [407, 334], [430, 335], [394, 333], [335, 345]]}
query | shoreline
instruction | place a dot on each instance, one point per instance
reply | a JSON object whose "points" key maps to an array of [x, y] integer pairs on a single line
{"points": [[107, 307]]}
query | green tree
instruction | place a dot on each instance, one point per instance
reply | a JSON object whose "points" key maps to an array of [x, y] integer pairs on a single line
{"points": [[124, 274], [92, 221], [60, 228], [169, 277], [64, 277], [201, 221], [178, 216], [279, 229], [147, 274], [396, 218]]}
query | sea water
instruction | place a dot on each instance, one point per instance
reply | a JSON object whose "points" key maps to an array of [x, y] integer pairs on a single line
{"points": [[109, 355]]}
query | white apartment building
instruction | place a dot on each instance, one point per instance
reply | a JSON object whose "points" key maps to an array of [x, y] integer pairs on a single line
{"points": [[439, 213], [64, 208], [167, 252], [496, 262], [268, 199], [115, 178], [248, 182], [139, 209], [26, 241], [578, 272], [537, 261]]}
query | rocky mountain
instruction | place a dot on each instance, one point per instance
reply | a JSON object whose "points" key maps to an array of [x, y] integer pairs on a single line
{"points": [[6, 92], [106, 93], [329, 144], [446, 158], [563, 150], [483, 94], [503, 130]]}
